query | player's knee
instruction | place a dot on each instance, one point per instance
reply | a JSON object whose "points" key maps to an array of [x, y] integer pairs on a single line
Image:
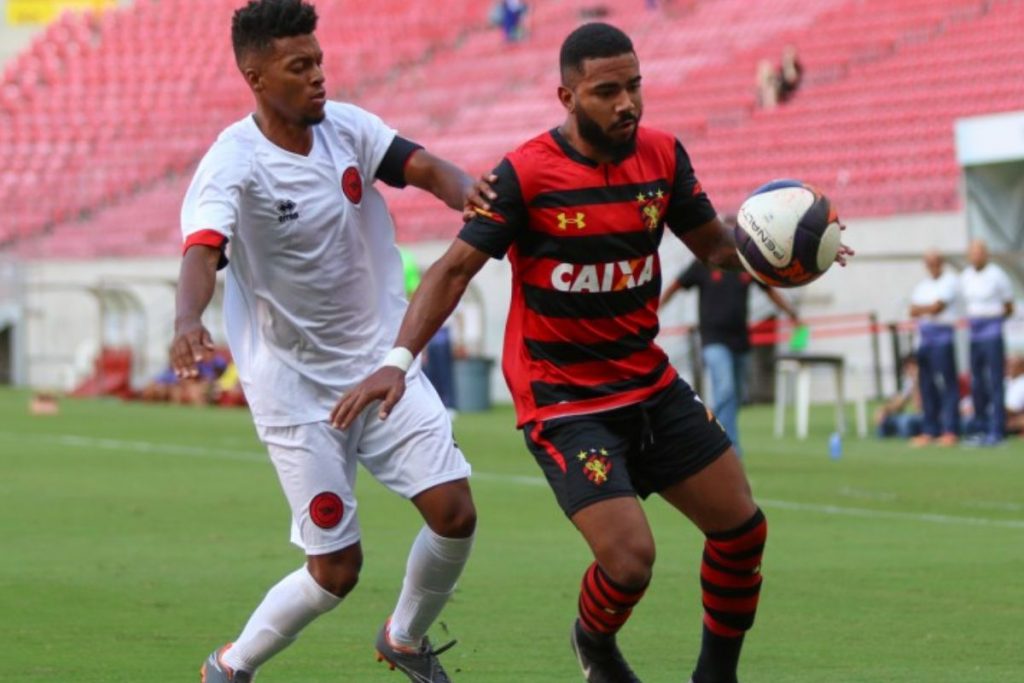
{"points": [[337, 573], [631, 566], [458, 519]]}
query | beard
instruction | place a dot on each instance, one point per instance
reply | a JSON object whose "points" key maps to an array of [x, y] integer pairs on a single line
{"points": [[314, 119], [591, 131]]}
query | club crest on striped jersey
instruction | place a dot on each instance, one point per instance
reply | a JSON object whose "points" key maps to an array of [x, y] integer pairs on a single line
{"points": [[652, 208], [596, 464], [602, 277], [578, 221]]}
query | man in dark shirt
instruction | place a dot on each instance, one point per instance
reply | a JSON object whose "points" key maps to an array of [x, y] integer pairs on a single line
{"points": [[723, 298], [580, 211]]}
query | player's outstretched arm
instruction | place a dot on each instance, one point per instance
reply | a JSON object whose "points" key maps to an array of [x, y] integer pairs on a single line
{"points": [[447, 182], [440, 290], [714, 244], [192, 342]]}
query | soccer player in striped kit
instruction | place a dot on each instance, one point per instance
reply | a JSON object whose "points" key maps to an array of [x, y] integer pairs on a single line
{"points": [[581, 210], [314, 297]]}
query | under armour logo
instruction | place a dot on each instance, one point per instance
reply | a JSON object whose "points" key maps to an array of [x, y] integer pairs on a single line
{"points": [[564, 221]]}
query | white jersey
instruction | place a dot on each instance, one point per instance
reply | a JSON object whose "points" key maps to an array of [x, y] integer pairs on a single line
{"points": [[1015, 394], [314, 293], [986, 292], [933, 290]]}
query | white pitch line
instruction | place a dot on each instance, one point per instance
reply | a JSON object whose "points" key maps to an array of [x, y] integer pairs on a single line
{"points": [[891, 514], [137, 446], [87, 442]]}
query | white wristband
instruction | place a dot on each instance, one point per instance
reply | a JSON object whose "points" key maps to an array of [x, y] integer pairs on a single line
{"points": [[398, 357]]}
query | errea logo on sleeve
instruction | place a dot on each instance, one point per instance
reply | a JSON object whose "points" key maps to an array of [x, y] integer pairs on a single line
{"points": [[285, 210]]}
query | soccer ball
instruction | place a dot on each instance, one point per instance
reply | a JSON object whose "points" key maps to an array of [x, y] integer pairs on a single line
{"points": [[787, 233]]}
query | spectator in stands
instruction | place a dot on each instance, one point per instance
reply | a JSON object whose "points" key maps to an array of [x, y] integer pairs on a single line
{"points": [[509, 15], [767, 83], [194, 391], [723, 312], [895, 417], [1015, 395], [933, 306], [988, 299], [791, 72], [227, 390]]}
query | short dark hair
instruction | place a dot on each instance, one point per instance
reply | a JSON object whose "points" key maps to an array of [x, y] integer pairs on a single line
{"points": [[592, 41], [255, 26]]}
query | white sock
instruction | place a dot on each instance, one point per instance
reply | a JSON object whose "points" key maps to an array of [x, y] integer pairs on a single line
{"points": [[287, 608], [434, 566]]}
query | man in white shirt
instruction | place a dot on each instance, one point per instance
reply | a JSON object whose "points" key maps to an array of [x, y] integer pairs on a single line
{"points": [[933, 306], [988, 299], [1015, 395], [314, 297]]}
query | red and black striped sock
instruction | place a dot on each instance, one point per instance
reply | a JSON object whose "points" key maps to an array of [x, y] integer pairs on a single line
{"points": [[604, 605], [730, 576]]}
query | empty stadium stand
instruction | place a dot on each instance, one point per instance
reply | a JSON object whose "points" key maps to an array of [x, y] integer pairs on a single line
{"points": [[103, 118]]}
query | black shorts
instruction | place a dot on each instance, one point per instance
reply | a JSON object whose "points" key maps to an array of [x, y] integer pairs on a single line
{"points": [[636, 450]]}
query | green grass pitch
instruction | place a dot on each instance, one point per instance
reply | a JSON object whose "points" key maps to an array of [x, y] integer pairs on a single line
{"points": [[135, 538]]}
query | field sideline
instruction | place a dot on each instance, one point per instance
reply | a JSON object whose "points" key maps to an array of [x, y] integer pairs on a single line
{"points": [[134, 538]]}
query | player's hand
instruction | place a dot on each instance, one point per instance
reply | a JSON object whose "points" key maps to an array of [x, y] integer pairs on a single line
{"points": [[387, 385], [845, 252], [480, 196], [192, 344]]}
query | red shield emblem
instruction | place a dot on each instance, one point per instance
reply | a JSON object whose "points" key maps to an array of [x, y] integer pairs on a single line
{"points": [[352, 184], [596, 465], [326, 510], [652, 206]]}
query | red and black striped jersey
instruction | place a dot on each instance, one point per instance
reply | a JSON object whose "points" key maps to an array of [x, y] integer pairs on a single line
{"points": [[582, 238]]}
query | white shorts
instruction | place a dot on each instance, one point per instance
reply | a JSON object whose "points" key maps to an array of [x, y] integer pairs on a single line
{"points": [[410, 452]]}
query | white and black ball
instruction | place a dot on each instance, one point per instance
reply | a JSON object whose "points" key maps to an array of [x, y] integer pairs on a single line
{"points": [[787, 233]]}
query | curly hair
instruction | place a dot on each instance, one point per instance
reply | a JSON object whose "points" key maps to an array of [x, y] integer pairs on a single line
{"points": [[255, 26], [592, 41]]}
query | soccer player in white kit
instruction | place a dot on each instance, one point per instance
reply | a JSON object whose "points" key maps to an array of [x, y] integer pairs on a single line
{"points": [[314, 297]]}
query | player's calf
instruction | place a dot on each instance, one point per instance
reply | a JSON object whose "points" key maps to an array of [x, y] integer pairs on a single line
{"points": [[731, 581]]}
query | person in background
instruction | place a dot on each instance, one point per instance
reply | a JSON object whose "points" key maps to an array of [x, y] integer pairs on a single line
{"points": [[988, 299], [509, 14], [723, 313], [933, 306], [894, 418], [1015, 395], [791, 73], [766, 81]]}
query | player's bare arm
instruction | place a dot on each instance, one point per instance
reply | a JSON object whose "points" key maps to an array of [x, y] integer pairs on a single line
{"points": [[917, 310], [670, 291], [714, 244], [192, 342], [448, 182], [782, 304], [439, 292]]}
